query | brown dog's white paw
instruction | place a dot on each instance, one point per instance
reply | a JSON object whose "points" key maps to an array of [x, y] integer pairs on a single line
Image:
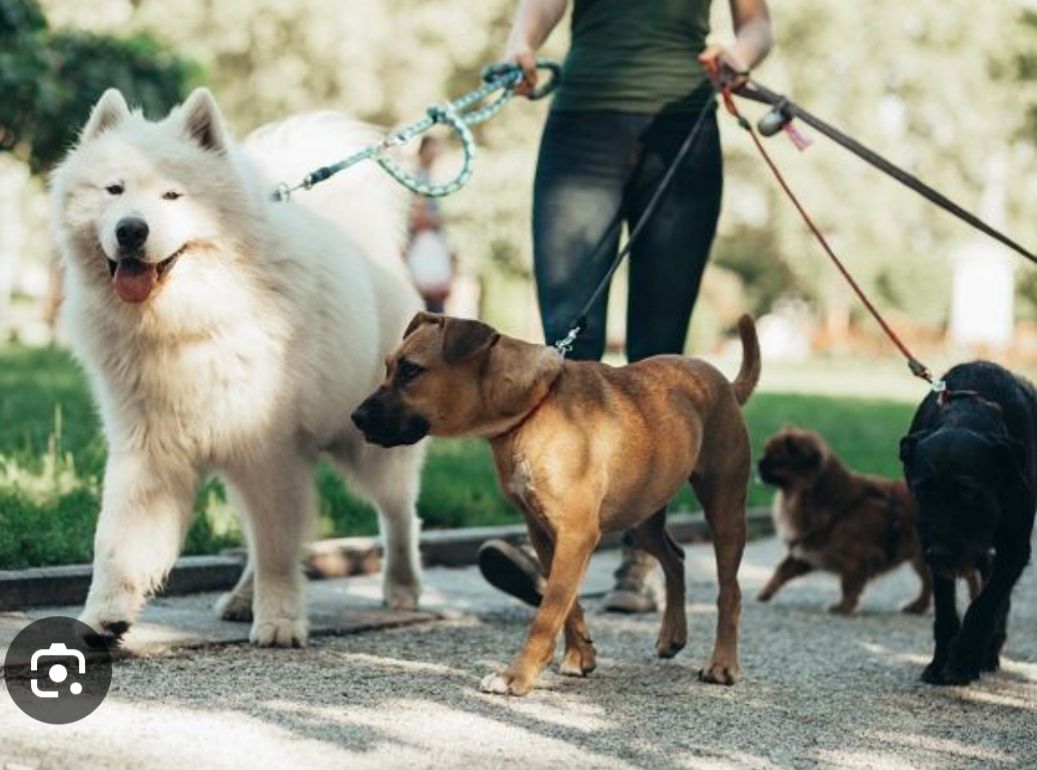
{"points": [[718, 673], [503, 683], [279, 632], [234, 607], [578, 661]]}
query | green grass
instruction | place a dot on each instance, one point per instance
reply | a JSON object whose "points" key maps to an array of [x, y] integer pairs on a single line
{"points": [[52, 462]]}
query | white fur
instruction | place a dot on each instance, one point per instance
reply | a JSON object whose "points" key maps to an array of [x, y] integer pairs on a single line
{"points": [[249, 358]]}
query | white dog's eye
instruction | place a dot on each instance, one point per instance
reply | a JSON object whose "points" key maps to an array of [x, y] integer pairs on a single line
{"points": [[115, 189], [171, 195]]}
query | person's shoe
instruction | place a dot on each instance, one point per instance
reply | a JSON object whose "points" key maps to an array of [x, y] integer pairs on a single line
{"points": [[637, 584], [512, 569]]}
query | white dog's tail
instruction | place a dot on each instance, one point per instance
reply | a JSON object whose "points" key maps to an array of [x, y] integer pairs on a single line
{"points": [[368, 205]]}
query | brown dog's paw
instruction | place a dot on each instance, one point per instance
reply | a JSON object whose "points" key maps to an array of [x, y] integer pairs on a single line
{"points": [[841, 608], [505, 683], [671, 642], [764, 596], [717, 673], [578, 661]]}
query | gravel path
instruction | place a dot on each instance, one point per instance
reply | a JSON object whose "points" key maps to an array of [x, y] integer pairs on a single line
{"points": [[817, 690]]}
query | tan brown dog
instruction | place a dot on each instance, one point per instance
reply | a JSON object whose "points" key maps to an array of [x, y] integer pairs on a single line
{"points": [[584, 448], [836, 520]]}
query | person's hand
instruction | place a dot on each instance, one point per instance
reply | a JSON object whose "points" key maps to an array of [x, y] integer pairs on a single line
{"points": [[725, 64], [526, 59]]}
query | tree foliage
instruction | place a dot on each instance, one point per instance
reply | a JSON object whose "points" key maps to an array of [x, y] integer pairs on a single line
{"points": [[50, 80], [940, 88]]}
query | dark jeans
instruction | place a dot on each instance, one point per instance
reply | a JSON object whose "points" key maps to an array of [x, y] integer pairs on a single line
{"points": [[594, 167]]}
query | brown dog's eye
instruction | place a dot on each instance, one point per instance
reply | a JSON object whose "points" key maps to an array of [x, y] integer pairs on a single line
{"points": [[407, 371]]}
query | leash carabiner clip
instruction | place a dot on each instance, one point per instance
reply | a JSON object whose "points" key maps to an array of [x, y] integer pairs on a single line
{"points": [[565, 344]]}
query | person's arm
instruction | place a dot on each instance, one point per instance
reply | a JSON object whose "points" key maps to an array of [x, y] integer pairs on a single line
{"points": [[534, 21], [753, 38]]}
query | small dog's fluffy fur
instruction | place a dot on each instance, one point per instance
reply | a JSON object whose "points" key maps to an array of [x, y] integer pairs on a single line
{"points": [[835, 520], [971, 461], [235, 337]]}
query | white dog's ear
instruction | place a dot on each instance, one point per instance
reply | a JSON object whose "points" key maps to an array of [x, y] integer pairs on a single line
{"points": [[109, 111], [202, 120]]}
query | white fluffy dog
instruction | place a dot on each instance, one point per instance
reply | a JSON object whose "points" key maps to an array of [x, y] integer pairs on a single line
{"points": [[225, 333]]}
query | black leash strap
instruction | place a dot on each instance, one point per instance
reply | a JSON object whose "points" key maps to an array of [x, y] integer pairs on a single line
{"points": [[789, 110], [579, 324]]}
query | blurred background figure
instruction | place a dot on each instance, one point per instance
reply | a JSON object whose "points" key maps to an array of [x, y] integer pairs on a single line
{"points": [[431, 261]]}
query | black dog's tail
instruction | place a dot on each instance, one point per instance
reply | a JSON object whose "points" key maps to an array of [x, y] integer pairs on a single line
{"points": [[745, 383]]}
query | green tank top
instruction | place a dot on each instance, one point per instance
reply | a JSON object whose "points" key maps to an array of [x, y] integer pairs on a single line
{"points": [[635, 56]]}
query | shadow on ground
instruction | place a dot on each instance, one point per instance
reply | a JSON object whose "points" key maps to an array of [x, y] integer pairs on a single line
{"points": [[816, 690]]}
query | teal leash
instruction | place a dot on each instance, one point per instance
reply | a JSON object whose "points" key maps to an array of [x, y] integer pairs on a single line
{"points": [[459, 115]]}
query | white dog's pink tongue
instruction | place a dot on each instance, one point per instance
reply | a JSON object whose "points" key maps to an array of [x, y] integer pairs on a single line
{"points": [[134, 280]]}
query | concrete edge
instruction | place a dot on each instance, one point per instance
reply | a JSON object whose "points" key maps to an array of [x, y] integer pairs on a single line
{"points": [[337, 557]]}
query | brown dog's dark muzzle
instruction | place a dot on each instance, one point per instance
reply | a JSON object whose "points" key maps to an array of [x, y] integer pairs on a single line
{"points": [[767, 470], [385, 421]]}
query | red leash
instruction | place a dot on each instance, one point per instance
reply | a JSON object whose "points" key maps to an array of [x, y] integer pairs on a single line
{"points": [[918, 369]]}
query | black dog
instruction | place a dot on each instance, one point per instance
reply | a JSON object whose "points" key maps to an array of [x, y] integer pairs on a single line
{"points": [[971, 462]]}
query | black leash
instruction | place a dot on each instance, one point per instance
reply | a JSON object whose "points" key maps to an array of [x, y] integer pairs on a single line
{"points": [[579, 324], [785, 110]]}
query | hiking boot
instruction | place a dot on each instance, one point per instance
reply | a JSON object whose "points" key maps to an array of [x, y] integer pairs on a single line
{"points": [[514, 570], [637, 584]]}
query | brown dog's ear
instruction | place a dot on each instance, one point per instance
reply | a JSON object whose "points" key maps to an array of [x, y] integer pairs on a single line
{"points": [[420, 319], [521, 375], [464, 339]]}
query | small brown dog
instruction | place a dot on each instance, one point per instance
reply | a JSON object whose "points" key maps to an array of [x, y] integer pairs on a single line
{"points": [[835, 520], [583, 448]]}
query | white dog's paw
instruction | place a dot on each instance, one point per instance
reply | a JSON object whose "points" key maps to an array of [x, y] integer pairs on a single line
{"points": [[279, 632], [108, 631], [402, 597], [110, 619], [235, 607]]}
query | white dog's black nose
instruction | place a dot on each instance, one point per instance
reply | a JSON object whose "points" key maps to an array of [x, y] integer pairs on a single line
{"points": [[131, 233]]}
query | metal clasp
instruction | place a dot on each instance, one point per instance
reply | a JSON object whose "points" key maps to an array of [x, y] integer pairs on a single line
{"points": [[565, 345]]}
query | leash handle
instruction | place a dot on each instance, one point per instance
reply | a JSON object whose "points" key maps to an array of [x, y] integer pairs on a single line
{"points": [[513, 73]]}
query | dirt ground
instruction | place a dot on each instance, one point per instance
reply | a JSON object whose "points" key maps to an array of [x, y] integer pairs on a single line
{"points": [[817, 690]]}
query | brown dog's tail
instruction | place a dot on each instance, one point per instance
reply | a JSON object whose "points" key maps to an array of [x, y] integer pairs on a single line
{"points": [[744, 384]]}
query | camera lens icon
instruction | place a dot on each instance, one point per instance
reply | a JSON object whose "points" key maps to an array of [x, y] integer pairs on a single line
{"points": [[54, 671], [59, 674]]}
